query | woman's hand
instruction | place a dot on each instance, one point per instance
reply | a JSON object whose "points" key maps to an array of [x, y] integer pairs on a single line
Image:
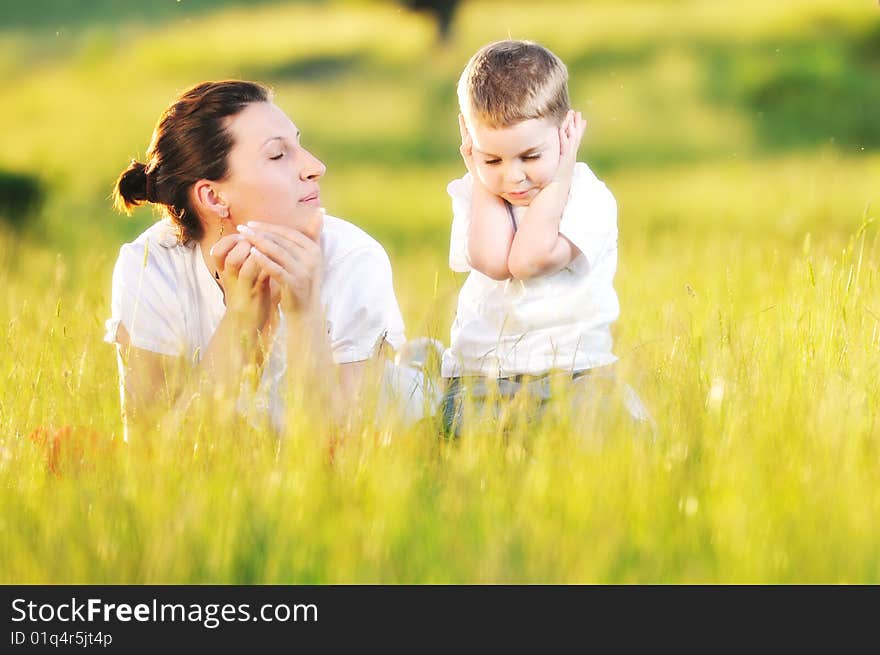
{"points": [[247, 289], [293, 261]]}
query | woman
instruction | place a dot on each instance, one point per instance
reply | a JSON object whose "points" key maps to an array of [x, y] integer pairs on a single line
{"points": [[206, 293]]}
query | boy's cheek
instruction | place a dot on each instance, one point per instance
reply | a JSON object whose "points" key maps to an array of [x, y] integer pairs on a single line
{"points": [[484, 179]]}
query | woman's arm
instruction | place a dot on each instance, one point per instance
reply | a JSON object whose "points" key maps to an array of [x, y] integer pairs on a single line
{"points": [[295, 263], [159, 388], [146, 378]]}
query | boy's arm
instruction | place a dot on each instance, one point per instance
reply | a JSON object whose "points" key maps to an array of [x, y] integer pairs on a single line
{"points": [[490, 233], [538, 248]]}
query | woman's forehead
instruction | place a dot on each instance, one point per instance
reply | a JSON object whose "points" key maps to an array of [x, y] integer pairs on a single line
{"points": [[261, 122]]}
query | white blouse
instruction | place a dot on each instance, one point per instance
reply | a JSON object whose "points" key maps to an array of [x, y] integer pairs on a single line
{"points": [[559, 321], [169, 303]]}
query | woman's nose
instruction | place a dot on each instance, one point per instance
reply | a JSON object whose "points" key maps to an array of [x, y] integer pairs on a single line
{"points": [[313, 168]]}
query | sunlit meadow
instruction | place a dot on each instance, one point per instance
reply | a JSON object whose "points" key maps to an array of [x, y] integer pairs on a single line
{"points": [[740, 139]]}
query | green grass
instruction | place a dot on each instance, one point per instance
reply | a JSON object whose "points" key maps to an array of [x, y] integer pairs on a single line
{"points": [[748, 281]]}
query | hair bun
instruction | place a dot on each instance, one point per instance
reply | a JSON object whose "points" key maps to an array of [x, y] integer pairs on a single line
{"points": [[131, 187]]}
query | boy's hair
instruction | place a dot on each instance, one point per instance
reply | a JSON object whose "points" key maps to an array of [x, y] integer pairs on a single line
{"points": [[508, 82]]}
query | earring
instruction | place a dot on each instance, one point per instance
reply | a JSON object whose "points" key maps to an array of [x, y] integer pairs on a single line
{"points": [[224, 214]]}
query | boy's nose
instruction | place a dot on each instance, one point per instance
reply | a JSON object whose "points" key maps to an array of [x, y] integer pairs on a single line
{"points": [[514, 174], [313, 168]]}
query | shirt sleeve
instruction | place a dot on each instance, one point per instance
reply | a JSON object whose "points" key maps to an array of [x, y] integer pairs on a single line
{"points": [[589, 220], [145, 302], [362, 310], [460, 191]]}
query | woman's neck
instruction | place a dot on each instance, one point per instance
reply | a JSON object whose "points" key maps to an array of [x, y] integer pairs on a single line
{"points": [[213, 232]]}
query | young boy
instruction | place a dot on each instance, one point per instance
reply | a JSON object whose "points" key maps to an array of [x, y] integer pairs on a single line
{"points": [[537, 231]]}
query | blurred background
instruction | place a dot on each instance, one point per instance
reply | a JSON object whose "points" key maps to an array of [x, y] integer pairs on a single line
{"points": [[704, 115], [740, 138]]}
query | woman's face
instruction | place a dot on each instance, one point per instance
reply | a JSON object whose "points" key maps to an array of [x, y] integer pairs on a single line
{"points": [[272, 178]]}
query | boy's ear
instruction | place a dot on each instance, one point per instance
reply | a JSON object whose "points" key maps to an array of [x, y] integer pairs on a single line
{"points": [[462, 126], [208, 199]]}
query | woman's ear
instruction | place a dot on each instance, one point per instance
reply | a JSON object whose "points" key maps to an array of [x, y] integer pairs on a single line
{"points": [[208, 199]]}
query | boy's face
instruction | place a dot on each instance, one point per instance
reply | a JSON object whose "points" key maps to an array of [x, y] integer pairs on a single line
{"points": [[517, 161]]}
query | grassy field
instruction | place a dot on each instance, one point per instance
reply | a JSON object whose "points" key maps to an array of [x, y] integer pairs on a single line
{"points": [[741, 141]]}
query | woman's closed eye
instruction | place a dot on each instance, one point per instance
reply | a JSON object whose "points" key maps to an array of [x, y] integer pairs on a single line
{"points": [[278, 156]]}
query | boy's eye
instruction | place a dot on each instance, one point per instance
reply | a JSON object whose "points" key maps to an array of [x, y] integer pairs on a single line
{"points": [[530, 157], [491, 162]]}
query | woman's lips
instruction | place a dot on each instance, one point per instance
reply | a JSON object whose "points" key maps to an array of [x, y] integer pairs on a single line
{"points": [[311, 199]]}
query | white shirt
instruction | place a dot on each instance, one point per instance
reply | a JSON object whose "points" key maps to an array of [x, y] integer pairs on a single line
{"points": [[169, 303], [559, 321]]}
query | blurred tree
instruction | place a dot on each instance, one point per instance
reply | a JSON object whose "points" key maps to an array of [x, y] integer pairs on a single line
{"points": [[442, 11], [20, 196]]}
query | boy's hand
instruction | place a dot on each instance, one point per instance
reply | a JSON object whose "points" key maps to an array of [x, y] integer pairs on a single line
{"points": [[467, 154], [467, 146], [570, 134], [538, 248]]}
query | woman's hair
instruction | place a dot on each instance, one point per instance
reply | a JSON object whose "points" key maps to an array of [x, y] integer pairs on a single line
{"points": [[508, 82], [191, 142]]}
